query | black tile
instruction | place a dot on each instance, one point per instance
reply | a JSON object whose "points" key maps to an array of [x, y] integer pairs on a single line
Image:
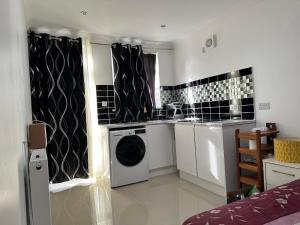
{"points": [[247, 116], [111, 104], [247, 101], [102, 116], [214, 110], [191, 111], [101, 87], [111, 98], [224, 103], [212, 79], [166, 88], [111, 116], [206, 116], [199, 115], [197, 104], [102, 111], [214, 116], [205, 104], [205, 110], [225, 116], [204, 81], [113, 121], [194, 83], [183, 86], [102, 93], [110, 93], [224, 109], [222, 77], [100, 99], [248, 108], [198, 82], [110, 87], [103, 121], [185, 106], [245, 72], [198, 110], [177, 87], [214, 104]]}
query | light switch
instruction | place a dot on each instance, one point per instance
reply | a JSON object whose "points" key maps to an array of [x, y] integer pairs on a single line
{"points": [[264, 106], [104, 103]]}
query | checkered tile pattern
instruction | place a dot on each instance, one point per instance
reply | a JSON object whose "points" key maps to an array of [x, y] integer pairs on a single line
{"points": [[167, 96], [233, 88]]}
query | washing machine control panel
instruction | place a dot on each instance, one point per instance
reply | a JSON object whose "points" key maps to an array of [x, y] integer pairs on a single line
{"points": [[140, 131]]}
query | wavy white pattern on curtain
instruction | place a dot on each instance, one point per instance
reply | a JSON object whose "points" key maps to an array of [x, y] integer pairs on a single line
{"points": [[97, 140]]}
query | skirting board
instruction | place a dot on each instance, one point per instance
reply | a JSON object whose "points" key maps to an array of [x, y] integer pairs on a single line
{"points": [[219, 190], [163, 171]]}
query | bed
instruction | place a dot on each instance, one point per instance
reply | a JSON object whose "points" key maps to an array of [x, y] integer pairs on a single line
{"points": [[278, 206]]}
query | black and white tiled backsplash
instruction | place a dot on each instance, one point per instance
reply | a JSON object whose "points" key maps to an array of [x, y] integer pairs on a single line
{"points": [[225, 96]]}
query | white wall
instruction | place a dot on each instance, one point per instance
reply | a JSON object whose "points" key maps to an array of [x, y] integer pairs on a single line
{"points": [[103, 67], [14, 113], [102, 64], [166, 67], [265, 36]]}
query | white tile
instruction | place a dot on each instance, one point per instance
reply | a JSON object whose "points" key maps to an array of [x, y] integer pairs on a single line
{"points": [[164, 200]]}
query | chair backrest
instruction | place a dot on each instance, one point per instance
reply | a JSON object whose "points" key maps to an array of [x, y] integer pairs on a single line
{"points": [[271, 126]]}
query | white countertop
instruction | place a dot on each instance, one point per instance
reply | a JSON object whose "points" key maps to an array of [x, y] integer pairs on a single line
{"points": [[197, 123], [273, 161]]}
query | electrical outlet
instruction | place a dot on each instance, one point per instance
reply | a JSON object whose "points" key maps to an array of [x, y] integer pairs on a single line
{"points": [[264, 106], [234, 107], [104, 103]]}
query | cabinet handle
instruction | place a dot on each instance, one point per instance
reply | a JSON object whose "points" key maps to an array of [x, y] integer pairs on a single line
{"points": [[289, 174]]}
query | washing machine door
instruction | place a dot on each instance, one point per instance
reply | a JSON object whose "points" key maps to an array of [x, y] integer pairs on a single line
{"points": [[130, 150]]}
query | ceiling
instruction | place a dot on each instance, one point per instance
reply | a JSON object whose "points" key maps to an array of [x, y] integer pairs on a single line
{"points": [[129, 18]]}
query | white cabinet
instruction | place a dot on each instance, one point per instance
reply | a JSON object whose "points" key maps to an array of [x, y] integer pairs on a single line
{"points": [[210, 154], [206, 155], [277, 173], [185, 148], [160, 147]]}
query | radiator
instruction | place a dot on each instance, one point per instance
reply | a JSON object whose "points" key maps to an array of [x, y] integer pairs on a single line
{"points": [[39, 188]]}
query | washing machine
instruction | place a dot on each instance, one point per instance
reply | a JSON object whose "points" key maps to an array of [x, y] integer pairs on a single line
{"points": [[128, 156]]}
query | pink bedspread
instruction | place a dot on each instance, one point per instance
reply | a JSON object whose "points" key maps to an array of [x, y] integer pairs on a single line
{"points": [[257, 210]]}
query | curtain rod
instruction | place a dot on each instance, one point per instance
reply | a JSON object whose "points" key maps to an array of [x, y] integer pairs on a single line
{"points": [[148, 48], [51, 37]]}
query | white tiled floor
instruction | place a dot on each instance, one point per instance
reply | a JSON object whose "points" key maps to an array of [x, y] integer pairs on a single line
{"points": [[164, 200]]}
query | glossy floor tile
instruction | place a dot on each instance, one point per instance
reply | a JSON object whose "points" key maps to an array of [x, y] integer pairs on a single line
{"points": [[164, 200]]}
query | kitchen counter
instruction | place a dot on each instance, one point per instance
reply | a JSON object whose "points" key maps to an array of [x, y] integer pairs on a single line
{"points": [[222, 123]]}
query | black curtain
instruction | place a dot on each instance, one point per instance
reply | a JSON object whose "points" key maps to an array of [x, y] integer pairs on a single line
{"points": [[57, 95], [149, 64], [133, 101]]}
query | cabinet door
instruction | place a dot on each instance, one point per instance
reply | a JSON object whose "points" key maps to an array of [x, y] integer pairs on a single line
{"points": [[160, 145], [210, 154], [185, 148]]}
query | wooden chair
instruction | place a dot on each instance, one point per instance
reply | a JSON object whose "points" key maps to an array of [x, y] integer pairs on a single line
{"points": [[254, 168]]}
